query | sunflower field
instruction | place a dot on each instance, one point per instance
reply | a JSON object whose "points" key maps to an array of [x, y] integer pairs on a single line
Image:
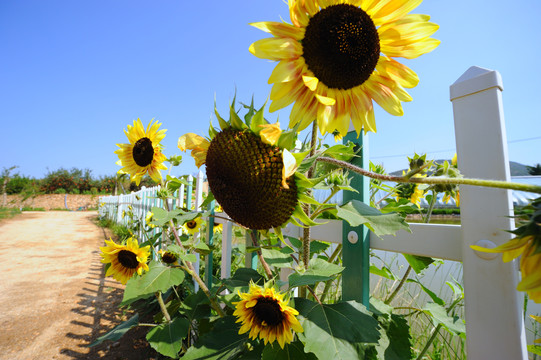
{"points": [[334, 61]]}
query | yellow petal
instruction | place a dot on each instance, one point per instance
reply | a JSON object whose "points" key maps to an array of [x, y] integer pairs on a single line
{"points": [[454, 160], [280, 29], [285, 71], [410, 51], [384, 96], [290, 166], [192, 141], [276, 49], [270, 133], [406, 31], [310, 82], [397, 71], [324, 100], [393, 10]]}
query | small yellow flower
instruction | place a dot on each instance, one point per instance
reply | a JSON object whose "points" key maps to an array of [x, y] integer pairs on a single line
{"points": [[263, 312], [168, 257], [125, 260], [148, 220], [192, 226], [218, 228]]}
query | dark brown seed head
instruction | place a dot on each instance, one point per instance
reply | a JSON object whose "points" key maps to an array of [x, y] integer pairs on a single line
{"points": [[245, 176]]}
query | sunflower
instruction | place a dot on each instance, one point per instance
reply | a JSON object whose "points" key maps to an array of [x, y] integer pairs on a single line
{"points": [[264, 312], [338, 56], [192, 226], [143, 154], [411, 191], [526, 244], [250, 170], [125, 260], [168, 257]]}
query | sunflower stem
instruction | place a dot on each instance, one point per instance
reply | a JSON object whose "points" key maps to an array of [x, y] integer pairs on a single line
{"points": [[306, 230], [260, 255], [435, 180], [197, 278], [162, 307]]}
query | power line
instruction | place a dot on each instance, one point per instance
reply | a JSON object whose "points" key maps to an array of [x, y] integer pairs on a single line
{"points": [[448, 150]]}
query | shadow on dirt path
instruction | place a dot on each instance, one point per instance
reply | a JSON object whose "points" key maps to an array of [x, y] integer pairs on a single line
{"points": [[54, 296]]}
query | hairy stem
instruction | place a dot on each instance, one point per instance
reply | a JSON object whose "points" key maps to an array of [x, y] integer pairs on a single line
{"points": [[260, 255], [162, 307], [435, 180]]}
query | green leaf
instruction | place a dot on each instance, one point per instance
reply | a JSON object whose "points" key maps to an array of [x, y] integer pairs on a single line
{"points": [[334, 331], [430, 293], [167, 338], [534, 349], [250, 113], [383, 272], [287, 139], [395, 341], [202, 248], [315, 246], [236, 121], [242, 278], [223, 124], [357, 213], [276, 258], [118, 331], [158, 278], [292, 351], [398, 334], [222, 342], [174, 183], [318, 270], [341, 152], [454, 325], [418, 263], [195, 306]]}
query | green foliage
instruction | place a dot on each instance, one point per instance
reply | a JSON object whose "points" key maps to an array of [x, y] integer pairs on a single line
{"points": [[118, 331], [318, 270], [167, 338], [158, 278], [7, 213], [336, 331], [358, 213], [222, 342]]}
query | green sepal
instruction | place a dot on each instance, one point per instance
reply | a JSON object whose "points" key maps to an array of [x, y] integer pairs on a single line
{"points": [[236, 121], [250, 113], [257, 120], [223, 124], [301, 215], [212, 131], [288, 138]]}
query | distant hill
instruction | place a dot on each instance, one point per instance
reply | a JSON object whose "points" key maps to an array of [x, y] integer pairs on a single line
{"points": [[516, 168]]}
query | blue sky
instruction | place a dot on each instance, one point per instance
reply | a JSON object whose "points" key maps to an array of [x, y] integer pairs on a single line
{"points": [[74, 74]]}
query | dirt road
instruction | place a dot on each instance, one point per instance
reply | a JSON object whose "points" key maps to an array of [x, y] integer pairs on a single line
{"points": [[53, 298]]}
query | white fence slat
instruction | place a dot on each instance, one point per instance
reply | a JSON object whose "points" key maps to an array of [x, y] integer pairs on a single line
{"points": [[493, 307]]}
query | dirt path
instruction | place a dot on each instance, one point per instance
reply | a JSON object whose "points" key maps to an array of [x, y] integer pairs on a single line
{"points": [[53, 296]]}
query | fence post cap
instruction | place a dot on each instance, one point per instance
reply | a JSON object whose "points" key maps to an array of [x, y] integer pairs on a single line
{"points": [[474, 80]]}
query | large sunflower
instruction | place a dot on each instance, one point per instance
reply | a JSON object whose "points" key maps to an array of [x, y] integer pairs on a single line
{"points": [[143, 154], [125, 260], [338, 56], [264, 312], [250, 171], [527, 245]]}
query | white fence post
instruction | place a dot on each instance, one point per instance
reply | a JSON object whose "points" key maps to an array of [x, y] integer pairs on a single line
{"points": [[493, 307]]}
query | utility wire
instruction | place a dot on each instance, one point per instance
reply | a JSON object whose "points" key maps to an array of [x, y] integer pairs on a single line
{"points": [[448, 150]]}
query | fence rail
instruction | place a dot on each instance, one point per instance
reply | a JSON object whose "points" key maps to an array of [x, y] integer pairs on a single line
{"points": [[493, 307]]}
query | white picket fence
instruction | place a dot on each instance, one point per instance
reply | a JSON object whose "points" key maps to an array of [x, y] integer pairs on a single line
{"points": [[493, 307]]}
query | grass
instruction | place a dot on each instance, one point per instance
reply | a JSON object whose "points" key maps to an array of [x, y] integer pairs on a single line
{"points": [[8, 213], [119, 231]]}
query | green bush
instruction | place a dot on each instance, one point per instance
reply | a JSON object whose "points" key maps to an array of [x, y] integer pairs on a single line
{"points": [[59, 191], [18, 183]]}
